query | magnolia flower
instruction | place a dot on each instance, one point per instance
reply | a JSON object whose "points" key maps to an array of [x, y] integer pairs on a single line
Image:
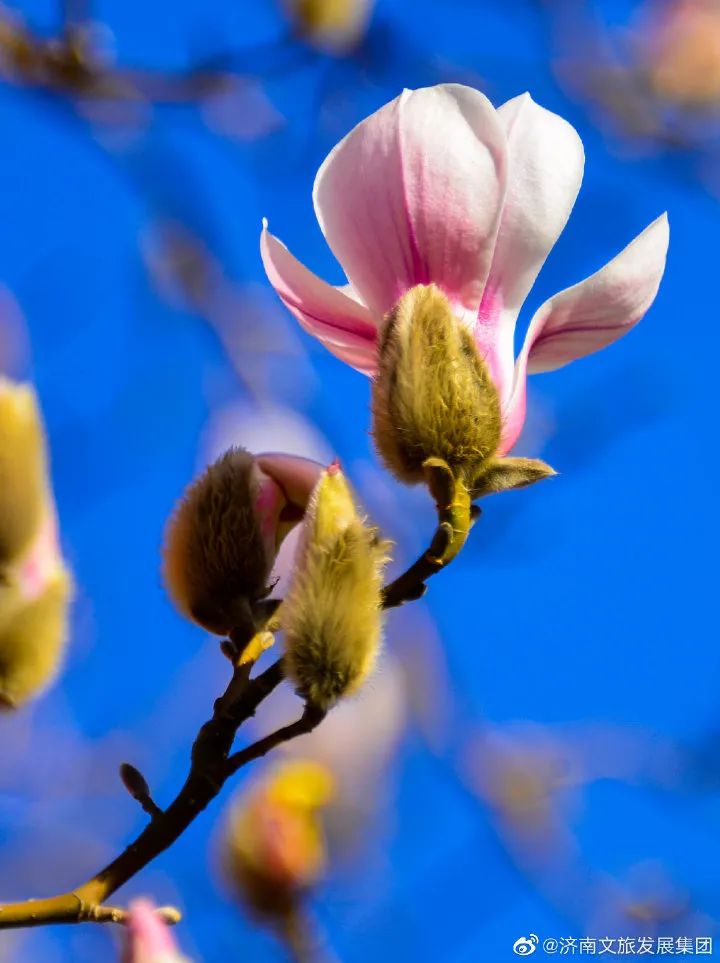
{"points": [[149, 938], [223, 537], [440, 188]]}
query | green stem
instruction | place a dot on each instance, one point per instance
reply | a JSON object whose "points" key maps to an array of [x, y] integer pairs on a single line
{"points": [[456, 515]]}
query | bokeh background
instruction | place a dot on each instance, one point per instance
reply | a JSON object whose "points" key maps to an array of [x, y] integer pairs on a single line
{"points": [[540, 752]]}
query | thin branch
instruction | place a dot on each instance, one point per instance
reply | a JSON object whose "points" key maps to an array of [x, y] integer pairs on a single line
{"points": [[209, 771], [456, 516], [309, 720]]}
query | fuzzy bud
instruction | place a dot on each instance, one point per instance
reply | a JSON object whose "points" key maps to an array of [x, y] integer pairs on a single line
{"points": [[223, 537], [504, 474], [332, 615], [23, 470], [32, 639], [275, 846], [433, 396]]}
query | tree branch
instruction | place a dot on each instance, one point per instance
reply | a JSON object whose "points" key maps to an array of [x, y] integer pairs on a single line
{"points": [[310, 719], [209, 771]]}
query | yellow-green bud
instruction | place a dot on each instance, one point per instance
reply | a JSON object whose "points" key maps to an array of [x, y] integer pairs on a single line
{"points": [[332, 615], [433, 395], [23, 470], [434, 398], [32, 640]]}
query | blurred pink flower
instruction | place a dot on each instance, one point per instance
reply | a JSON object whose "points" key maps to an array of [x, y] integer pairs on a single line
{"points": [[149, 938], [440, 187]]}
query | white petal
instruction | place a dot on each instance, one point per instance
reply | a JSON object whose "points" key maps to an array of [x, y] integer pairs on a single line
{"points": [[413, 194], [545, 169], [589, 316], [603, 307]]}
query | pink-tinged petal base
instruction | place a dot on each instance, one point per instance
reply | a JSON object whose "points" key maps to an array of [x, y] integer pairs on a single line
{"points": [[413, 195], [544, 172], [589, 316], [344, 326], [43, 561], [495, 340]]}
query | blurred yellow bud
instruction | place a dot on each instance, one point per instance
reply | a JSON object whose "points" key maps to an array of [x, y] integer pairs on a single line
{"points": [[23, 470], [332, 24], [221, 541], [302, 784], [433, 396], [32, 639], [332, 615], [275, 844]]}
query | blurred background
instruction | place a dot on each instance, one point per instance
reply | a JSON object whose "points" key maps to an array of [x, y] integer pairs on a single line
{"points": [[540, 751]]}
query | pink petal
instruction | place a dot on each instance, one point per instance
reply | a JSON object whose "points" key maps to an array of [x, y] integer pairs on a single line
{"points": [[545, 168], [589, 316], [603, 307], [149, 938], [413, 194], [44, 559], [295, 475], [343, 325]]}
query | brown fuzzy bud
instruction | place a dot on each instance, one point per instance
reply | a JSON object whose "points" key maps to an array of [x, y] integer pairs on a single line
{"points": [[332, 615], [433, 395], [32, 640], [221, 541]]}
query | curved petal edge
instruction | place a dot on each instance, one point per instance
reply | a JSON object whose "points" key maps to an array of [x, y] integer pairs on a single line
{"points": [[342, 324]]}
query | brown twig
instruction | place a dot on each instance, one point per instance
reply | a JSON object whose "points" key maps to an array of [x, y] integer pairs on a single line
{"points": [[210, 767], [310, 719]]}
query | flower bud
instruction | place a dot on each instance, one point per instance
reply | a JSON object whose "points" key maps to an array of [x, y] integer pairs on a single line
{"points": [[334, 25], [222, 539], [23, 470], [434, 398], [433, 395], [332, 616], [32, 639], [149, 938], [275, 842]]}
